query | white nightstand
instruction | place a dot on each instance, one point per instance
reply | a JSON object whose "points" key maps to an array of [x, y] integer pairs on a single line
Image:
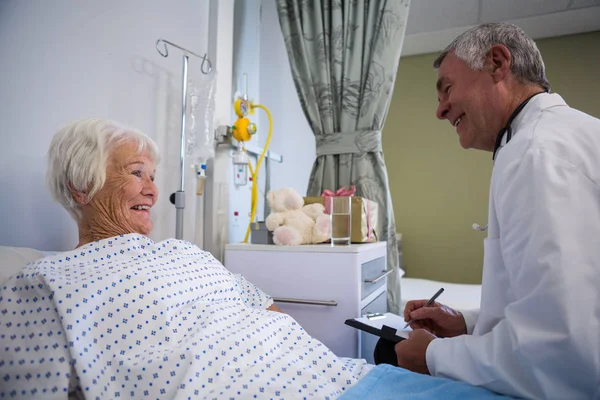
{"points": [[320, 286]]}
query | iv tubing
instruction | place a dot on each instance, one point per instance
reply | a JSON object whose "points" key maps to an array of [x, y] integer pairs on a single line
{"points": [[254, 173]]}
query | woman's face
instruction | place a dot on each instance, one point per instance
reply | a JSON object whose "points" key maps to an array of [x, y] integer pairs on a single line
{"points": [[123, 204]]}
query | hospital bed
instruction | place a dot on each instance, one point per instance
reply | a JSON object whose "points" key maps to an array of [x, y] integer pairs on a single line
{"points": [[397, 381], [456, 295], [459, 296]]}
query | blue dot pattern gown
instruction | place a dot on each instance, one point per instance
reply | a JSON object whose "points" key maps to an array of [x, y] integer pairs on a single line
{"points": [[126, 317]]}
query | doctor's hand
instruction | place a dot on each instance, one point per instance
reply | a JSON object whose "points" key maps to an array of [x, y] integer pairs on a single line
{"points": [[412, 352], [437, 318]]}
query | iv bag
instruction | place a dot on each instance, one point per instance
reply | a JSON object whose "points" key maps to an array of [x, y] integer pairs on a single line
{"points": [[200, 134]]}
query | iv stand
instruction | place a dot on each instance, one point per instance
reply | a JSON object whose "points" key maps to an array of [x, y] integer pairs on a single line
{"points": [[178, 198]]}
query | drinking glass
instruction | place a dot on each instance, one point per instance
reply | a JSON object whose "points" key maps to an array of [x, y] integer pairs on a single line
{"points": [[340, 219]]}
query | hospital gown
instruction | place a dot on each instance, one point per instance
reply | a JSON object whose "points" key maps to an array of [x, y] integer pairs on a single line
{"points": [[127, 317]]}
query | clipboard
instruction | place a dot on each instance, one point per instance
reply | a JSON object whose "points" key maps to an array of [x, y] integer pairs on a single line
{"points": [[386, 326]]}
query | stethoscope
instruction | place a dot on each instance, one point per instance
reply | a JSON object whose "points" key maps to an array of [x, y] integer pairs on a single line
{"points": [[498, 145], [478, 227]]}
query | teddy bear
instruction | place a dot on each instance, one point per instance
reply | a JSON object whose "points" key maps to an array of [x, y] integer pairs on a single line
{"points": [[293, 223]]}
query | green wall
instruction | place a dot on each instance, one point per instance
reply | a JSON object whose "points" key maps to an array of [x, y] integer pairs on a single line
{"points": [[439, 189]]}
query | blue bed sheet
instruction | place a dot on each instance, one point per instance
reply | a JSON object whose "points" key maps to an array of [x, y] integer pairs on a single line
{"points": [[388, 382]]}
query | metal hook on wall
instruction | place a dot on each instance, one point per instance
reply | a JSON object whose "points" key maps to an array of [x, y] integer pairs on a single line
{"points": [[206, 65]]}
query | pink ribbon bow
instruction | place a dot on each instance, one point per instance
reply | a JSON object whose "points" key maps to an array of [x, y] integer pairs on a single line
{"points": [[344, 191]]}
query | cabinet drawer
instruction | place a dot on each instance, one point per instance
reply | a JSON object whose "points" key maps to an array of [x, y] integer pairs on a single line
{"points": [[373, 276], [319, 286]]}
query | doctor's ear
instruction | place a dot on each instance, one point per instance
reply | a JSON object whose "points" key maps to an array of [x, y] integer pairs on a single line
{"points": [[79, 196], [499, 60]]}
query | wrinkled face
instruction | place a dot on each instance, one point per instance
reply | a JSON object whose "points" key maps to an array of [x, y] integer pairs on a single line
{"points": [[123, 204], [469, 100]]}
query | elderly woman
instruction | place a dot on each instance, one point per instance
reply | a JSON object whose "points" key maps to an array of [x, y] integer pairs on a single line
{"points": [[123, 316]]}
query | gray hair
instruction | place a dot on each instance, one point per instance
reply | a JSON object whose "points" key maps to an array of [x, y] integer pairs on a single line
{"points": [[472, 47], [78, 155]]}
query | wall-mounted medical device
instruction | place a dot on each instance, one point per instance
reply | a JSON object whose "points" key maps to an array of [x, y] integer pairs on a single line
{"points": [[243, 130]]}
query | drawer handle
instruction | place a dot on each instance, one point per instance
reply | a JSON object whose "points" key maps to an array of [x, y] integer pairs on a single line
{"points": [[380, 277], [331, 303]]}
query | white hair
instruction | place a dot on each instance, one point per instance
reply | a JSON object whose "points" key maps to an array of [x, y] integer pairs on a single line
{"points": [[78, 155], [472, 47]]}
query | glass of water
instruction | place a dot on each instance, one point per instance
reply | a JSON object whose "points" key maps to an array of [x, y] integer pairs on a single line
{"points": [[340, 217]]}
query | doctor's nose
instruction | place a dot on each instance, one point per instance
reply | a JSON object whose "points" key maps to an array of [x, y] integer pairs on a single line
{"points": [[442, 110]]}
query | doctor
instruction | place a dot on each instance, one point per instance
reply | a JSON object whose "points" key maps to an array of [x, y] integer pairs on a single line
{"points": [[537, 333]]}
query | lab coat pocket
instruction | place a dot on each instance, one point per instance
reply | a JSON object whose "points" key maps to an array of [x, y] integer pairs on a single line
{"points": [[495, 279]]}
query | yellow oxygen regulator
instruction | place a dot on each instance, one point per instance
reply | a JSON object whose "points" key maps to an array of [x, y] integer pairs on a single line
{"points": [[242, 130]]}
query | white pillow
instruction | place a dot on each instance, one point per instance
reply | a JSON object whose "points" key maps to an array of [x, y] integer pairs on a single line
{"points": [[12, 259]]}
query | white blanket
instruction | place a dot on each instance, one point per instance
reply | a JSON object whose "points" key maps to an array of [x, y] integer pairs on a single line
{"points": [[127, 317]]}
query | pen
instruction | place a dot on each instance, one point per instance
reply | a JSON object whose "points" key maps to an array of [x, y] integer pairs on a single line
{"points": [[431, 300]]}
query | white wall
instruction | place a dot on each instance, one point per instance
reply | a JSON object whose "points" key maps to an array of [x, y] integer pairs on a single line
{"points": [[292, 136], [66, 59], [63, 60], [259, 51]]}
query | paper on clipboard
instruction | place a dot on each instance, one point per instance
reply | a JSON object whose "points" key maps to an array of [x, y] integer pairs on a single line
{"points": [[391, 320]]}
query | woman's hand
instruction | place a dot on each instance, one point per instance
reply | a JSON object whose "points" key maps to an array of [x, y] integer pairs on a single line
{"points": [[274, 308], [436, 318]]}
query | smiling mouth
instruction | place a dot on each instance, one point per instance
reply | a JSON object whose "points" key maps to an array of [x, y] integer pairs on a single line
{"points": [[458, 120], [141, 208]]}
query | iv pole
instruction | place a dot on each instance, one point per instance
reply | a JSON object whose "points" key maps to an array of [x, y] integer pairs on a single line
{"points": [[178, 198]]}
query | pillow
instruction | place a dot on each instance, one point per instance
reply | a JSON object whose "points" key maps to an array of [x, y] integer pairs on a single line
{"points": [[12, 259]]}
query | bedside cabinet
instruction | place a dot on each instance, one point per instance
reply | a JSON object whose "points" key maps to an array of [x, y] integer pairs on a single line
{"points": [[320, 287]]}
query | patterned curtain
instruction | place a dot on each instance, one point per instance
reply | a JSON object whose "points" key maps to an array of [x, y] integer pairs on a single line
{"points": [[344, 55]]}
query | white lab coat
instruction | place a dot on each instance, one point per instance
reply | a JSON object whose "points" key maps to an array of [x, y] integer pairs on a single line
{"points": [[537, 333]]}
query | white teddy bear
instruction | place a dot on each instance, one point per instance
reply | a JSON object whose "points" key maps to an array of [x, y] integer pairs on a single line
{"points": [[293, 223]]}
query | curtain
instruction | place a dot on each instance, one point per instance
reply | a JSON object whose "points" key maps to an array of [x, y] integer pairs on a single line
{"points": [[344, 56]]}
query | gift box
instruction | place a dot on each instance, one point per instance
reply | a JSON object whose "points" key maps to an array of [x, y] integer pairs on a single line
{"points": [[363, 218]]}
